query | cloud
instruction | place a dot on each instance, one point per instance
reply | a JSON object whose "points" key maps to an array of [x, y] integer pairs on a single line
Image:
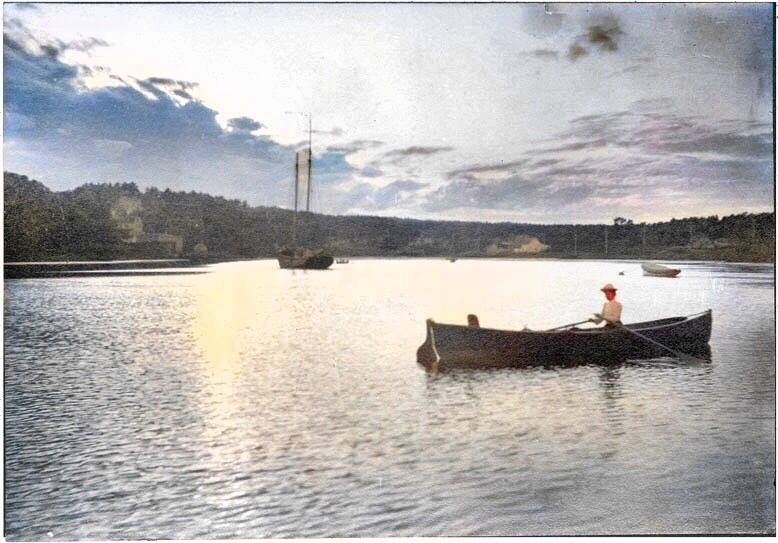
{"points": [[371, 171], [55, 48], [167, 82], [112, 149], [368, 198], [244, 124], [628, 161], [509, 194], [487, 168], [417, 150], [395, 193], [334, 132], [139, 129], [354, 146]]}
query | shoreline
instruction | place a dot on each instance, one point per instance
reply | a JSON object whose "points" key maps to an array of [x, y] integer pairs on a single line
{"points": [[182, 266]]}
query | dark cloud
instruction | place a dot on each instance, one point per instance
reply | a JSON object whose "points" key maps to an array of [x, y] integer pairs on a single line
{"points": [[575, 146], [183, 94], [487, 168], [354, 146], [367, 144], [159, 86], [417, 150], [544, 162], [167, 82], [371, 171], [55, 48], [244, 124], [731, 144]]}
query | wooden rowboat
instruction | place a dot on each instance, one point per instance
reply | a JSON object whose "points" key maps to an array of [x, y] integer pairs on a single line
{"points": [[454, 346], [658, 270]]}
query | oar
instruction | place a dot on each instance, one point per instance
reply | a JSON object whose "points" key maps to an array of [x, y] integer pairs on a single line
{"points": [[567, 325], [681, 356]]}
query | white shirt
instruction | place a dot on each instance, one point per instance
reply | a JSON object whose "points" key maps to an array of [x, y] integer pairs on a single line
{"points": [[611, 311]]}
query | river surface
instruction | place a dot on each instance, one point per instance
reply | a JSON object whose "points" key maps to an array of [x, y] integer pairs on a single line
{"points": [[257, 402]]}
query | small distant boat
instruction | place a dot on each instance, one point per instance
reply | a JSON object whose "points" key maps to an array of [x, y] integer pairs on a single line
{"points": [[658, 270], [455, 346], [342, 261], [452, 259]]}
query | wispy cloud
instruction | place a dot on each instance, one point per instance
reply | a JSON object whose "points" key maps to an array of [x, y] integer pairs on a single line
{"points": [[417, 151]]}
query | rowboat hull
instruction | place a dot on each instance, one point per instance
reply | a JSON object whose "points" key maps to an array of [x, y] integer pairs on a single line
{"points": [[453, 346], [656, 270]]}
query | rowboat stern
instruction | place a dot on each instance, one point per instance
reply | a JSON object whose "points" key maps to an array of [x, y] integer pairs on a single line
{"points": [[427, 353]]}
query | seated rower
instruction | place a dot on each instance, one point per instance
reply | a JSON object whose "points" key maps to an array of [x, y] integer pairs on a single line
{"points": [[611, 311]]}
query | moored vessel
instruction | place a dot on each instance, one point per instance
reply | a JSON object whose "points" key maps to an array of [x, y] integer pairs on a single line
{"points": [[293, 256]]}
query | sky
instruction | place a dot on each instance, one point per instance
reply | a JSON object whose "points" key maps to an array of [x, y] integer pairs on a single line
{"points": [[540, 113]]}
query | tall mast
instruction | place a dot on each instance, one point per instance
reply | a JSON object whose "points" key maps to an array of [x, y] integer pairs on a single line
{"points": [[310, 158], [294, 217]]}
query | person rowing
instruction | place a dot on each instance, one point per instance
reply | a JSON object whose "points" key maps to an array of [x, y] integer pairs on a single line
{"points": [[611, 311]]}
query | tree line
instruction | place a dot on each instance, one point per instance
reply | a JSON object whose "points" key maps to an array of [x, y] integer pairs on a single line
{"points": [[41, 224]]}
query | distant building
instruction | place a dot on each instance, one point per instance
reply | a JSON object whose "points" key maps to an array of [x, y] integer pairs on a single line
{"points": [[519, 245], [126, 214]]}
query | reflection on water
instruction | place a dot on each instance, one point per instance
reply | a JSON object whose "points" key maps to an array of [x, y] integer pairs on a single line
{"points": [[256, 402]]}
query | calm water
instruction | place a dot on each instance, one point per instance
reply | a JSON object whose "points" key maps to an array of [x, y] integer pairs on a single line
{"points": [[256, 402]]}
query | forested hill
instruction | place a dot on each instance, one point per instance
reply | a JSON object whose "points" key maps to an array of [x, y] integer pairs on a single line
{"points": [[111, 221]]}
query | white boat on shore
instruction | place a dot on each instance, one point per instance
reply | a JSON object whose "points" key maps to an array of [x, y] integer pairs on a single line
{"points": [[658, 270]]}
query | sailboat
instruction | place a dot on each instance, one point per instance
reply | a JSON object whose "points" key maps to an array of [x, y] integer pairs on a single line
{"points": [[295, 257]]}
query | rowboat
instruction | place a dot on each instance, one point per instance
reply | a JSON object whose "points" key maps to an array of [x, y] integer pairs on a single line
{"points": [[455, 346], [658, 270]]}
